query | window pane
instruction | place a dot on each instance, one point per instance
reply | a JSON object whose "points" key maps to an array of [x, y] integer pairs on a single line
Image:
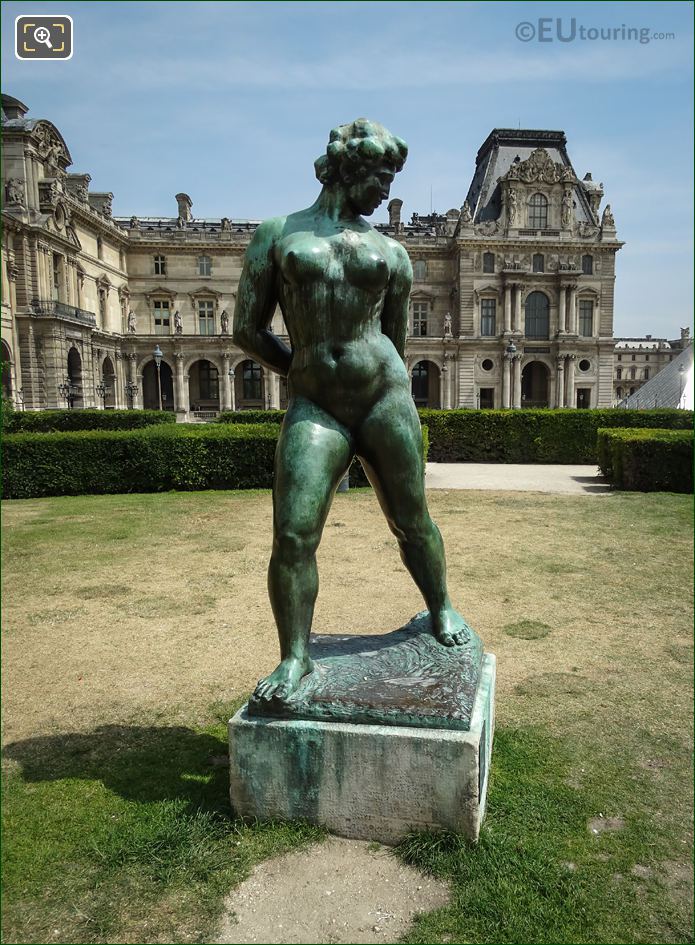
{"points": [[537, 316], [488, 262], [488, 311], [538, 262], [252, 381], [538, 212], [586, 318], [420, 313], [588, 265]]}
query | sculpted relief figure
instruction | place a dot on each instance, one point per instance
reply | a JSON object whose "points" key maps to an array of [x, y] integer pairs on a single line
{"points": [[132, 322], [511, 207], [343, 289], [567, 208]]}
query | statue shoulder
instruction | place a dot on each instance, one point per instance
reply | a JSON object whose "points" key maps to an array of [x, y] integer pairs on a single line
{"points": [[268, 232], [400, 258]]}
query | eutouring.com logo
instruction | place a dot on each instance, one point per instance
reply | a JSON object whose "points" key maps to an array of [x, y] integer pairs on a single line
{"points": [[549, 29]]}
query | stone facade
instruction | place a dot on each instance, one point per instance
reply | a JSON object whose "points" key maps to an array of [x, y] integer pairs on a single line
{"points": [[512, 300], [638, 360]]}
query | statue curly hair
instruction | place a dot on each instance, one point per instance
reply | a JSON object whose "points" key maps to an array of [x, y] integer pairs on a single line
{"points": [[355, 148]]}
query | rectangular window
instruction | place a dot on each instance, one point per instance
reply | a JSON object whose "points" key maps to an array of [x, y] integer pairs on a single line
{"points": [[162, 318], [538, 262], [488, 311], [420, 313], [56, 276], [160, 265], [619, 374], [420, 270], [646, 357], [633, 373], [646, 374], [204, 266], [488, 262], [487, 398], [586, 317], [206, 317], [620, 357]]}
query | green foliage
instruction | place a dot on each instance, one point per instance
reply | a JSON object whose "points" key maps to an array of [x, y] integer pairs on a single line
{"points": [[532, 436], [153, 459], [53, 421], [647, 460], [7, 414], [251, 416]]}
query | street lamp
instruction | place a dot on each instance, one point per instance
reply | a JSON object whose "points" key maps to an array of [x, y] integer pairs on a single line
{"points": [[67, 391], [100, 388], [131, 390], [158, 354]]}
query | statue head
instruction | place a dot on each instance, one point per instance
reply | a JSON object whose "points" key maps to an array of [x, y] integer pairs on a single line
{"points": [[363, 157]]}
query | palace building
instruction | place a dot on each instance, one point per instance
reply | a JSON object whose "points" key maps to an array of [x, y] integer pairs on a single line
{"points": [[511, 305]]}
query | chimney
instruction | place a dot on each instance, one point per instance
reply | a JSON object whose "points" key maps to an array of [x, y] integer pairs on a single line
{"points": [[185, 204], [394, 209], [648, 337]]}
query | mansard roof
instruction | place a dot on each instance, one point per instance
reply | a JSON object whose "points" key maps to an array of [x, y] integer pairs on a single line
{"points": [[504, 147]]}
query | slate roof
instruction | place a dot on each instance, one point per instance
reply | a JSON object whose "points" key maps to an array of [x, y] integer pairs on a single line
{"points": [[666, 388]]}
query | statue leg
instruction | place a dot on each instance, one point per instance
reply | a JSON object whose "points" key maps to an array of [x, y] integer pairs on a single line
{"points": [[389, 444], [313, 452]]}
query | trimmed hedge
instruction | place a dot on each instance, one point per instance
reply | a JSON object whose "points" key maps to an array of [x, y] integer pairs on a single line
{"points": [[647, 460], [533, 436], [153, 459], [251, 416], [54, 421]]}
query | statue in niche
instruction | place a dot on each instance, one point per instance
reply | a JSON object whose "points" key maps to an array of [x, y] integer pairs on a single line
{"points": [[567, 208], [178, 323], [466, 215], [511, 207], [448, 333], [343, 289], [132, 322], [224, 322]]}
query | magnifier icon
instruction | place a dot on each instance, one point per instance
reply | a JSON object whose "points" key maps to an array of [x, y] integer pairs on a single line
{"points": [[43, 35]]}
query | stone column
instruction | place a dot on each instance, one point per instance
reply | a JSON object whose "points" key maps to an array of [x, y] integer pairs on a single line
{"points": [[507, 308], [506, 382], [516, 401], [226, 384], [573, 310], [560, 383], [180, 385], [562, 316], [570, 399], [232, 392], [517, 308]]}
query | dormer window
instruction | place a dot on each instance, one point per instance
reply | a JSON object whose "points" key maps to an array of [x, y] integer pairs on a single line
{"points": [[538, 212]]}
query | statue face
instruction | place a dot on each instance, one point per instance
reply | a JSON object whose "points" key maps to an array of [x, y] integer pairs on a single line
{"points": [[366, 193]]}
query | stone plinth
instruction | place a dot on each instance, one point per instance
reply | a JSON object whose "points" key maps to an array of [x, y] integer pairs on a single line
{"points": [[367, 781]]}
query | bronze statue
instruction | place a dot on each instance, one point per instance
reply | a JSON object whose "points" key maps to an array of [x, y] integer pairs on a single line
{"points": [[343, 289]]}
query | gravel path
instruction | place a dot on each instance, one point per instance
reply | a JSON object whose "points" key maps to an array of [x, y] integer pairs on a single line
{"points": [[569, 480]]}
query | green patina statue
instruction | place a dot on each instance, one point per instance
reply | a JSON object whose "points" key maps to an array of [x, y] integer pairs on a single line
{"points": [[343, 289]]}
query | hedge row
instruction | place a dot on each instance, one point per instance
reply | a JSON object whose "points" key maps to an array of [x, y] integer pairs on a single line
{"points": [[54, 421], [532, 436], [512, 436], [645, 460], [154, 459]]}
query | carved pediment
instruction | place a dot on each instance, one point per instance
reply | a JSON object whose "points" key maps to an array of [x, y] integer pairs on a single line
{"points": [[159, 293], [205, 291], [539, 168], [50, 146]]}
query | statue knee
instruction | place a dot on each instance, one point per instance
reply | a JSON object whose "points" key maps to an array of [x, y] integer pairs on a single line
{"points": [[292, 545], [414, 530]]}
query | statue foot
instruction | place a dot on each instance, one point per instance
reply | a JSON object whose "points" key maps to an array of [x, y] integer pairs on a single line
{"points": [[284, 680], [450, 628]]}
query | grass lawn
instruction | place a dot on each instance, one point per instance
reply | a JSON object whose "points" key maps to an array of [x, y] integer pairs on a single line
{"points": [[134, 625]]}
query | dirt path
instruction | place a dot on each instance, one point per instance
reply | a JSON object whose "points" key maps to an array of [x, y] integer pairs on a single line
{"points": [[338, 891]]}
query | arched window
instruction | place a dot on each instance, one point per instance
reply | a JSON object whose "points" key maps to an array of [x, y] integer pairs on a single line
{"points": [[538, 212], [588, 265], [420, 270], [538, 262], [537, 316], [252, 381]]}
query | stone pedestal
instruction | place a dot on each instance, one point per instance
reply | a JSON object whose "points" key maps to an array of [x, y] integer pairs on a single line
{"points": [[389, 763]]}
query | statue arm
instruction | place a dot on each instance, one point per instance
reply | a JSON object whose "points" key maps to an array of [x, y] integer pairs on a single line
{"points": [[256, 301], [394, 318]]}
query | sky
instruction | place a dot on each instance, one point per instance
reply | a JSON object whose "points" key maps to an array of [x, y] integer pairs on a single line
{"points": [[231, 102]]}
